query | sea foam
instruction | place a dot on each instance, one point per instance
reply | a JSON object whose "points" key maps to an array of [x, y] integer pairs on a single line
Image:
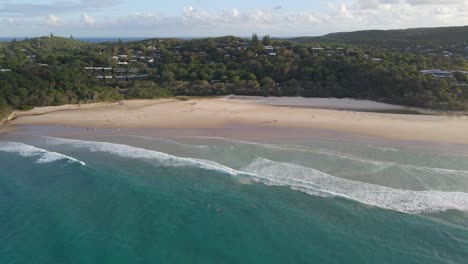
{"points": [[155, 157], [43, 156], [373, 166], [308, 180], [317, 183]]}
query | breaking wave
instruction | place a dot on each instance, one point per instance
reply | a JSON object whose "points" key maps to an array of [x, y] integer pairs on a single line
{"points": [[307, 180], [317, 183], [43, 156], [373, 165], [162, 159]]}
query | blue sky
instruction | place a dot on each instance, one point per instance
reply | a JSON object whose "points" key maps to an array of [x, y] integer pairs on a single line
{"points": [[199, 18]]}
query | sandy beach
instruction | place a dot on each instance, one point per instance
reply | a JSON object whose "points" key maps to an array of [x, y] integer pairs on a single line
{"points": [[252, 111]]}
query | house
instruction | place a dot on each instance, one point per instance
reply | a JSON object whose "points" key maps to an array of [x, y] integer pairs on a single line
{"points": [[340, 51], [143, 76], [447, 53], [114, 58], [269, 49], [437, 73], [352, 52], [122, 63], [317, 50], [31, 58]]}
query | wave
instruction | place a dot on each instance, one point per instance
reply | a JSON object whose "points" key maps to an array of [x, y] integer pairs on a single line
{"points": [[308, 180], [377, 165], [383, 148], [165, 141], [44, 156], [317, 183], [162, 159]]}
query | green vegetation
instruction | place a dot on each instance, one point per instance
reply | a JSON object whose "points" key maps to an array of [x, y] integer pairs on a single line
{"points": [[4, 109], [424, 36], [56, 71]]}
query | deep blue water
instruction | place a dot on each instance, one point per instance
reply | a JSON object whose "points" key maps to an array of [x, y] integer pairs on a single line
{"points": [[132, 199]]}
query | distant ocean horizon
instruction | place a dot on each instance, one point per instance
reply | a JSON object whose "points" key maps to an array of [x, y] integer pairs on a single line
{"points": [[106, 39], [101, 39], [124, 39]]}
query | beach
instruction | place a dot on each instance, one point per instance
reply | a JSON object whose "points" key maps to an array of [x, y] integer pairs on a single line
{"points": [[358, 117], [279, 180]]}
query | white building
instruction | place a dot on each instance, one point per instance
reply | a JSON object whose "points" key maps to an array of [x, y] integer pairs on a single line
{"points": [[437, 73]]}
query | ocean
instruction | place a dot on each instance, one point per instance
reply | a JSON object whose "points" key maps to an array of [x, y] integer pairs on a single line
{"points": [[125, 197], [103, 39]]}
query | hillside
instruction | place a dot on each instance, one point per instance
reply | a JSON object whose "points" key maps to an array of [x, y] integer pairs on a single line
{"points": [[415, 35]]}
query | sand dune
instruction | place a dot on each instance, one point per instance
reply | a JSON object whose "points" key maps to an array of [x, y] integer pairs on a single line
{"points": [[274, 112]]}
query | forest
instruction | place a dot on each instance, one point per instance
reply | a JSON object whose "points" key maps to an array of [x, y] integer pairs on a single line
{"points": [[55, 70]]}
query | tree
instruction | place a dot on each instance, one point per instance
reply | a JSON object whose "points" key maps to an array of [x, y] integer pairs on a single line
{"points": [[255, 40], [167, 76], [460, 76], [4, 108], [266, 40]]}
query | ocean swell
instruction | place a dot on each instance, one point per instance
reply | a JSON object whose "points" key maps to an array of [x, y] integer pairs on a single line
{"points": [[308, 180], [162, 159], [317, 183], [43, 156]]}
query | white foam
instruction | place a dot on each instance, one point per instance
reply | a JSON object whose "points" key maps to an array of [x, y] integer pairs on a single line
{"points": [[315, 182], [384, 148], [377, 165], [161, 159], [165, 140], [296, 177], [44, 156]]}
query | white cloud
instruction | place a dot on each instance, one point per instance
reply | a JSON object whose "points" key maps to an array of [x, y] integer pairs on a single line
{"points": [[336, 15], [53, 20], [435, 2], [87, 19]]}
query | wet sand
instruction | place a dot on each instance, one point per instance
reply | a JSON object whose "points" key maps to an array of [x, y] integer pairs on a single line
{"points": [[224, 112]]}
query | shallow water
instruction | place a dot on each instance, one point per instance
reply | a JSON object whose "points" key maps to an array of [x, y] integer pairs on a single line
{"points": [[140, 199]]}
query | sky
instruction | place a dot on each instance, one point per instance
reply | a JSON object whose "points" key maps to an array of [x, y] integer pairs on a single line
{"points": [[206, 18]]}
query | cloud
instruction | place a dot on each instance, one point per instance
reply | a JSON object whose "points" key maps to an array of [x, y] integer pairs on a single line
{"points": [[277, 8], [378, 4], [9, 7], [192, 20], [87, 19], [435, 2], [53, 20]]}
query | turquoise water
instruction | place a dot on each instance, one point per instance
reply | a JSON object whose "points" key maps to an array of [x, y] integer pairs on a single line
{"points": [[134, 199]]}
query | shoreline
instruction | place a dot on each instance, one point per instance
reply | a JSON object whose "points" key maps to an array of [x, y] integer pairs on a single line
{"points": [[222, 112]]}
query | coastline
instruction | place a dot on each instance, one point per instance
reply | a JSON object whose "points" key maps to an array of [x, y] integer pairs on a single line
{"points": [[221, 112]]}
